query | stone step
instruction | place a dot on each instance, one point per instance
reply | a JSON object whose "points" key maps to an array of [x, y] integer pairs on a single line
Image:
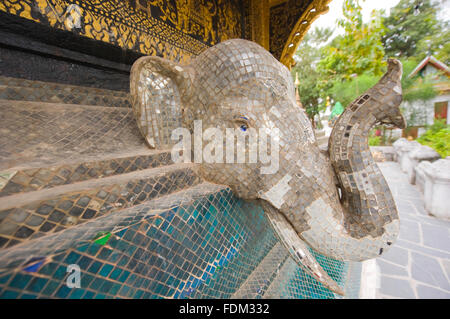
{"points": [[319, 133], [33, 179], [40, 134], [116, 222], [23, 83], [26, 216], [67, 95], [321, 141]]}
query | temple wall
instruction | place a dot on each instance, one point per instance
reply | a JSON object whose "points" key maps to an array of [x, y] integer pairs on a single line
{"points": [[111, 30], [212, 247]]}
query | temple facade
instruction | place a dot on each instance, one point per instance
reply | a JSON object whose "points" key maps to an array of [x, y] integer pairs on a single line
{"points": [[94, 42]]}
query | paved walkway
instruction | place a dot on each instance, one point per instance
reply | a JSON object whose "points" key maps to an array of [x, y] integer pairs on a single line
{"points": [[418, 266]]}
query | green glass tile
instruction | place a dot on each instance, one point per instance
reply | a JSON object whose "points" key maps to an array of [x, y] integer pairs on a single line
{"points": [[102, 238], [124, 291], [82, 248], [104, 253], [48, 269], [86, 279], [124, 276], [84, 262], [114, 257], [123, 261], [138, 294], [96, 284]]}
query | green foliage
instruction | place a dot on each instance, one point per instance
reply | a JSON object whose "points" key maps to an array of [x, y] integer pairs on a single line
{"points": [[415, 88], [359, 50], [347, 91], [309, 52], [353, 62], [437, 137], [437, 44], [438, 125], [409, 23], [374, 140], [423, 92]]}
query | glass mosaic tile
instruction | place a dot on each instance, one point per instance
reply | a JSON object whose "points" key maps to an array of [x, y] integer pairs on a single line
{"points": [[209, 245]]}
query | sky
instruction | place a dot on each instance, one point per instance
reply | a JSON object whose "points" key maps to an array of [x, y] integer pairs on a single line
{"points": [[329, 18], [335, 12]]}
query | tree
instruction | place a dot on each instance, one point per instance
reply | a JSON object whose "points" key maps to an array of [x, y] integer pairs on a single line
{"points": [[437, 44], [411, 29], [307, 57], [355, 61], [359, 50]]}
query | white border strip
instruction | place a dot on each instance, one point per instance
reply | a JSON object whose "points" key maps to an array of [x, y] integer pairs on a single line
{"points": [[369, 279]]}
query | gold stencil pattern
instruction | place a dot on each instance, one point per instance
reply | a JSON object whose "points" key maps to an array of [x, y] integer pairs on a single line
{"points": [[175, 29]]}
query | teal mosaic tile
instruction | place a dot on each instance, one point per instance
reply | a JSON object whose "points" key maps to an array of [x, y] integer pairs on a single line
{"points": [[207, 248], [8, 294]]}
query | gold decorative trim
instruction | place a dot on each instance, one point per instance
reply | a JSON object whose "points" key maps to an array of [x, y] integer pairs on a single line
{"points": [[314, 10], [176, 30], [273, 3], [260, 22]]}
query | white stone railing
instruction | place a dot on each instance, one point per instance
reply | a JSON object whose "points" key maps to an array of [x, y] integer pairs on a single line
{"points": [[425, 168], [435, 182]]}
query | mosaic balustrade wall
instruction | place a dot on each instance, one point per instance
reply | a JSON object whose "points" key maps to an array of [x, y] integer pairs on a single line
{"points": [[201, 243]]}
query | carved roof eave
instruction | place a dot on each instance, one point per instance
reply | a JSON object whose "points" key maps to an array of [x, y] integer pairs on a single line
{"points": [[314, 10]]}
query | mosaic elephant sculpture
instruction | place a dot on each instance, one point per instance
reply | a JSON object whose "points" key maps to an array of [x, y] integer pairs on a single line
{"points": [[336, 201]]}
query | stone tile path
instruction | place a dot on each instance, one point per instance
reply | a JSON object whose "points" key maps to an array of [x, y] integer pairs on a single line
{"points": [[418, 266]]}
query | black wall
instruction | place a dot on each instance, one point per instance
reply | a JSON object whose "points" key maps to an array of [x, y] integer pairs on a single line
{"points": [[34, 51]]}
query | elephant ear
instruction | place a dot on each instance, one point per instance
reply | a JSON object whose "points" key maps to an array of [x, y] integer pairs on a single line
{"points": [[157, 88]]}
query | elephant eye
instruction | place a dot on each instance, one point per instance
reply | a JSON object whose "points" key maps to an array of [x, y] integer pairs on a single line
{"points": [[242, 122]]}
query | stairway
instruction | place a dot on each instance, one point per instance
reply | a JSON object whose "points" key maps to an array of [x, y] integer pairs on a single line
{"points": [[73, 166], [63, 164], [38, 91], [321, 138]]}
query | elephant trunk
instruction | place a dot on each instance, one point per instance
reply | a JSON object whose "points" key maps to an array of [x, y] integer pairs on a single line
{"points": [[356, 219]]}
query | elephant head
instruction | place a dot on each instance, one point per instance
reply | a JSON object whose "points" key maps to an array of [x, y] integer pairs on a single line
{"points": [[336, 201]]}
